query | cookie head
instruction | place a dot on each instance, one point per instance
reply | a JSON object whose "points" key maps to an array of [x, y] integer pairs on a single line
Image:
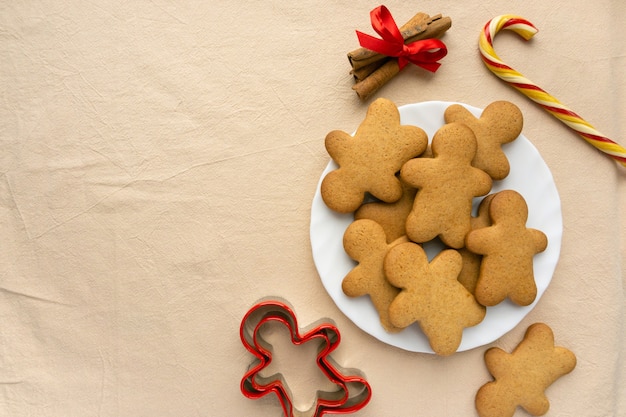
{"points": [[455, 142], [362, 237]]}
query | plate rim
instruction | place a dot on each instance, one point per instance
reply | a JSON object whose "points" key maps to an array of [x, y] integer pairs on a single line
{"points": [[553, 250]]}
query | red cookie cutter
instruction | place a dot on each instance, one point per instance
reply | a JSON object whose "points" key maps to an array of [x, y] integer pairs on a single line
{"points": [[353, 391]]}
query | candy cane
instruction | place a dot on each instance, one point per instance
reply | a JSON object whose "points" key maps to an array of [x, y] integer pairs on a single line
{"points": [[527, 30]]}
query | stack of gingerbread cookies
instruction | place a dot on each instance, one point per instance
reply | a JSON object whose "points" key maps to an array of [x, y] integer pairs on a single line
{"points": [[405, 193]]}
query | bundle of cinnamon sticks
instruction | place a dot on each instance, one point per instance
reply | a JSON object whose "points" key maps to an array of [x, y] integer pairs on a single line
{"points": [[372, 70]]}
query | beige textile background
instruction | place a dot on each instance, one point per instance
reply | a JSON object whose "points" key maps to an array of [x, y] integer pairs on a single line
{"points": [[157, 165]]}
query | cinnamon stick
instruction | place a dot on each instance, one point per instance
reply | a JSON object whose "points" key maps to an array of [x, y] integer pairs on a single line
{"points": [[369, 84], [365, 88], [362, 57], [421, 26], [360, 74]]}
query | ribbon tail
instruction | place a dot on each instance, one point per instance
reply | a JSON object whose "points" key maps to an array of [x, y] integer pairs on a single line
{"points": [[430, 66]]}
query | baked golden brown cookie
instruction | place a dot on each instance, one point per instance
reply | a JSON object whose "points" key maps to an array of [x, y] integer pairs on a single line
{"points": [[521, 377], [369, 160], [365, 242], [500, 122], [447, 184], [391, 216], [431, 295], [508, 248], [471, 261]]}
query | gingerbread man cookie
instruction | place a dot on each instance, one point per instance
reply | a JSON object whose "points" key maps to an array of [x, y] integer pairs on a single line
{"points": [[500, 122], [369, 160], [431, 295], [521, 377], [365, 242], [447, 184], [391, 216], [508, 248]]}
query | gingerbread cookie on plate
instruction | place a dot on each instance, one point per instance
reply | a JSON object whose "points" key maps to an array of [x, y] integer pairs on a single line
{"points": [[369, 160], [431, 295], [508, 248], [447, 184], [500, 122], [365, 242]]}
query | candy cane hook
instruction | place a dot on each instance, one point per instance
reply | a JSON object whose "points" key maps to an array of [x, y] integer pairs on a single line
{"points": [[531, 90]]}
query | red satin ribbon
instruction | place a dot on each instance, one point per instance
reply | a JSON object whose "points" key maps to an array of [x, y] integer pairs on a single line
{"points": [[424, 53]]}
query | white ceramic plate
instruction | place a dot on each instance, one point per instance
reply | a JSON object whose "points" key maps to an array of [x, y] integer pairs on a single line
{"points": [[529, 176]]}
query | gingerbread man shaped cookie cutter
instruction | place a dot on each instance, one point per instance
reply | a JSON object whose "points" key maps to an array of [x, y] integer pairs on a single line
{"points": [[353, 391]]}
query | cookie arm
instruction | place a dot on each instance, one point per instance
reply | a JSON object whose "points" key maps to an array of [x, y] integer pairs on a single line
{"points": [[475, 240], [540, 240], [495, 360], [337, 143], [340, 193], [458, 113], [447, 260], [352, 284]]}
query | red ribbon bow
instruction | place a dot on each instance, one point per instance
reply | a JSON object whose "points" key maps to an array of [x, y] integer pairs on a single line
{"points": [[424, 53]]}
